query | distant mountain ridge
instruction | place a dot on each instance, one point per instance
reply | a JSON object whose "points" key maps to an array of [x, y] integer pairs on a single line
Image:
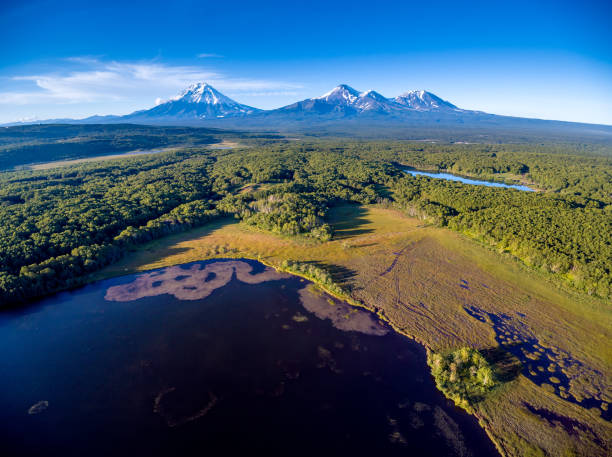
{"points": [[424, 101], [346, 101], [198, 101], [342, 109]]}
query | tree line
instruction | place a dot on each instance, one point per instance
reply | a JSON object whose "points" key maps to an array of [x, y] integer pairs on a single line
{"points": [[60, 225]]}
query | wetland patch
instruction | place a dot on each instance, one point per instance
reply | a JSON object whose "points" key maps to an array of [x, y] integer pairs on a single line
{"points": [[221, 357], [547, 366]]}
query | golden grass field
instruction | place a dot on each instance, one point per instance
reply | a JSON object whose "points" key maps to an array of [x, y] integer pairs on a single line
{"points": [[422, 278]]}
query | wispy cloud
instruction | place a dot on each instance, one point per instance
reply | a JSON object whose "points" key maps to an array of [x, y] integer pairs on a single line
{"points": [[97, 81], [206, 55], [265, 93]]}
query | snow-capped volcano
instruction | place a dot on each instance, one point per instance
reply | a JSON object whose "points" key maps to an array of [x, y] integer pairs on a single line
{"points": [[341, 100], [342, 94], [198, 101], [371, 100], [422, 100], [204, 93], [201, 102], [345, 101], [345, 95]]}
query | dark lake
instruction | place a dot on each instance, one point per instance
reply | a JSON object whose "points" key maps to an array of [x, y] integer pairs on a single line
{"points": [[217, 358]]}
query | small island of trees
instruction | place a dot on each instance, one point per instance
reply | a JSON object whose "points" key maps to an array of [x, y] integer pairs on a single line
{"points": [[463, 375]]}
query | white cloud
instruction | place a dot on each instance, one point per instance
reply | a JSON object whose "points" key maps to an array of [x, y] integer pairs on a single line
{"points": [[206, 55], [126, 82], [279, 93]]}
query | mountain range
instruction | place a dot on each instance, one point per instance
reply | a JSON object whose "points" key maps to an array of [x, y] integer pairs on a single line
{"points": [[202, 102], [342, 107], [344, 101]]}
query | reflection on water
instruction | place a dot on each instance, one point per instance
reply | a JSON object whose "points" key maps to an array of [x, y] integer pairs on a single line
{"points": [[194, 283], [220, 357], [342, 315], [476, 182]]}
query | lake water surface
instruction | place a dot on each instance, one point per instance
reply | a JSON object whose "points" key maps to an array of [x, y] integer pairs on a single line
{"points": [[217, 358], [476, 182]]}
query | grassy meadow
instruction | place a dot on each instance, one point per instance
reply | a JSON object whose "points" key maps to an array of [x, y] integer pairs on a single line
{"points": [[422, 279]]}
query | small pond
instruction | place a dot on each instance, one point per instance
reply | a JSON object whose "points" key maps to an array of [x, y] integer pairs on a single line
{"points": [[224, 357]]}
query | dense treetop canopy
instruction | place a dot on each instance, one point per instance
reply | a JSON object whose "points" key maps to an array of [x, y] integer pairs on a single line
{"points": [[59, 225]]}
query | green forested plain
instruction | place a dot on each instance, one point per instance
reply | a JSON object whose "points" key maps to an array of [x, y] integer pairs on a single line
{"points": [[59, 225], [35, 144]]}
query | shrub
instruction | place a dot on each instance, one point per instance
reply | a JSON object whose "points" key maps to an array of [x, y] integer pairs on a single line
{"points": [[463, 375]]}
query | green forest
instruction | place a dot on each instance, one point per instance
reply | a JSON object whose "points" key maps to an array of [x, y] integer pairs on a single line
{"points": [[60, 225], [33, 144]]}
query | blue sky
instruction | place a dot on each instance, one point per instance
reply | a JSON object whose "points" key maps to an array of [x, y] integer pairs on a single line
{"points": [[546, 59]]}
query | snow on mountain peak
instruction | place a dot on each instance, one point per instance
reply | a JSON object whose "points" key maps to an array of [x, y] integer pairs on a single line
{"points": [[422, 100], [344, 97], [202, 101], [342, 93], [201, 92], [373, 94], [199, 101]]}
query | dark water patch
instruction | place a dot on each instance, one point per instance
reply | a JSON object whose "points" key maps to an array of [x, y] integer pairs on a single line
{"points": [[246, 363], [210, 276], [549, 366], [571, 426]]}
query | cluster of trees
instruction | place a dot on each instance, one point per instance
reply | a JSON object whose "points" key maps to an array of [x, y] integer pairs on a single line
{"points": [[60, 224], [314, 273], [181, 218], [463, 375], [301, 183], [285, 212]]}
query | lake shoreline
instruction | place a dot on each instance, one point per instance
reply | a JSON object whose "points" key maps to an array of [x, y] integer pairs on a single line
{"points": [[378, 312], [136, 287], [489, 181]]}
